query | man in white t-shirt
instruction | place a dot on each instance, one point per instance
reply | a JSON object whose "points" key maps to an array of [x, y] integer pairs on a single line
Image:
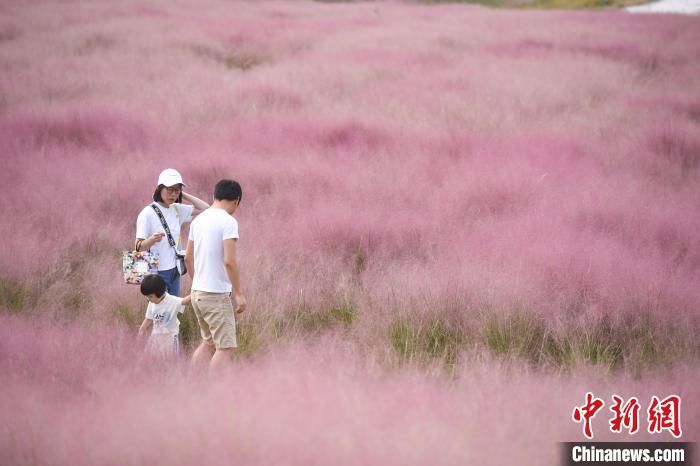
{"points": [[211, 256]]}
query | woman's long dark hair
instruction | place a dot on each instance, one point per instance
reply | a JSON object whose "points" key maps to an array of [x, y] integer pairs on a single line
{"points": [[158, 198]]}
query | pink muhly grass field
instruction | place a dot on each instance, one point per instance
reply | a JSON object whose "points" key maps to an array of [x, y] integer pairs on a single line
{"points": [[72, 396], [455, 222]]}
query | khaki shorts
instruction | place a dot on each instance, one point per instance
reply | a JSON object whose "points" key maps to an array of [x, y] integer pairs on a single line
{"points": [[214, 313]]}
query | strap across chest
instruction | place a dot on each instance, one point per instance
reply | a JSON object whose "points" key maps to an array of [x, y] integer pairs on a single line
{"points": [[163, 222]]}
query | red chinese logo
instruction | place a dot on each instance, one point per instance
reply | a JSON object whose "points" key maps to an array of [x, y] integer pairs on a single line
{"points": [[586, 412], [665, 415], [625, 416], [662, 414]]}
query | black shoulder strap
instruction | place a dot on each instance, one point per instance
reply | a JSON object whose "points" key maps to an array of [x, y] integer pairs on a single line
{"points": [[171, 241]]}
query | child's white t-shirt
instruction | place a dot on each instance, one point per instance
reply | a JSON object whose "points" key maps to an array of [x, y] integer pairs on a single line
{"points": [[164, 315]]}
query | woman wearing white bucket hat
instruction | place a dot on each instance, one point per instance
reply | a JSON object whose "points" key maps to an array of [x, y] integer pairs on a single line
{"points": [[168, 210]]}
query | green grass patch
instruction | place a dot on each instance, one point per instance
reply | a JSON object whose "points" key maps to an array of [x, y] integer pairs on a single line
{"points": [[307, 320], [518, 334], [527, 337], [344, 313], [425, 341], [545, 4], [230, 60], [580, 4], [128, 316], [569, 4], [636, 342], [312, 322], [17, 297], [74, 301], [249, 336], [189, 328], [491, 3]]}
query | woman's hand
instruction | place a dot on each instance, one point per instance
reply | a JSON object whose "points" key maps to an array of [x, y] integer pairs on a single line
{"points": [[156, 237], [199, 205]]}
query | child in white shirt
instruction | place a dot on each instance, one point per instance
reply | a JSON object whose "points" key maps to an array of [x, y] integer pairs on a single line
{"points": [[161, 317]]}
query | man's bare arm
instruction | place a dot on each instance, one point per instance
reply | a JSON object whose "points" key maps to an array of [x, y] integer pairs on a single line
{"points": [[233, 273], [189, 257]]}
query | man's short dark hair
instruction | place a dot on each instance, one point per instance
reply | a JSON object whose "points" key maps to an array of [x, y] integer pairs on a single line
{"points": [[158, 198], [228, 190], [153, 284]]}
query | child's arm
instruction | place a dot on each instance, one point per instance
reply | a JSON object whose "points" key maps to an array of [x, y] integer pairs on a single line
{"points": [[186, 300], [145, 326]]}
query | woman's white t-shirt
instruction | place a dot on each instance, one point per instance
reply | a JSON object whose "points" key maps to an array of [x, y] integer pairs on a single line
{"points": [[148, 223]]}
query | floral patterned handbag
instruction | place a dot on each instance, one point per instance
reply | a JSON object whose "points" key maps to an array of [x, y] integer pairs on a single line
{"points": [[138, 264]]}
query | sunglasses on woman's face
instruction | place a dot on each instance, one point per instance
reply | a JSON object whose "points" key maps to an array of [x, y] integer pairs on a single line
{"points": [[173, 189]]}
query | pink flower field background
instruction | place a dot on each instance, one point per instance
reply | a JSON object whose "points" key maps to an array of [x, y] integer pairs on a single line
{"points": [[455, 222]]}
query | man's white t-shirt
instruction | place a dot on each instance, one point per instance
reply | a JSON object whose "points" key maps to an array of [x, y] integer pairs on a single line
{"points": [[148, 223], [164, 315], [208, 232]]}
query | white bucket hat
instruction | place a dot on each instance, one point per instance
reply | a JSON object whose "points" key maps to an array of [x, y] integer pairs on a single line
{"points": [[170, 177]]}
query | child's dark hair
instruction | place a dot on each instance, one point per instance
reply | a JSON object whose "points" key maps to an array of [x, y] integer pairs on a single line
{"points": [[158, 198], [228, 190], [153, 284]]}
